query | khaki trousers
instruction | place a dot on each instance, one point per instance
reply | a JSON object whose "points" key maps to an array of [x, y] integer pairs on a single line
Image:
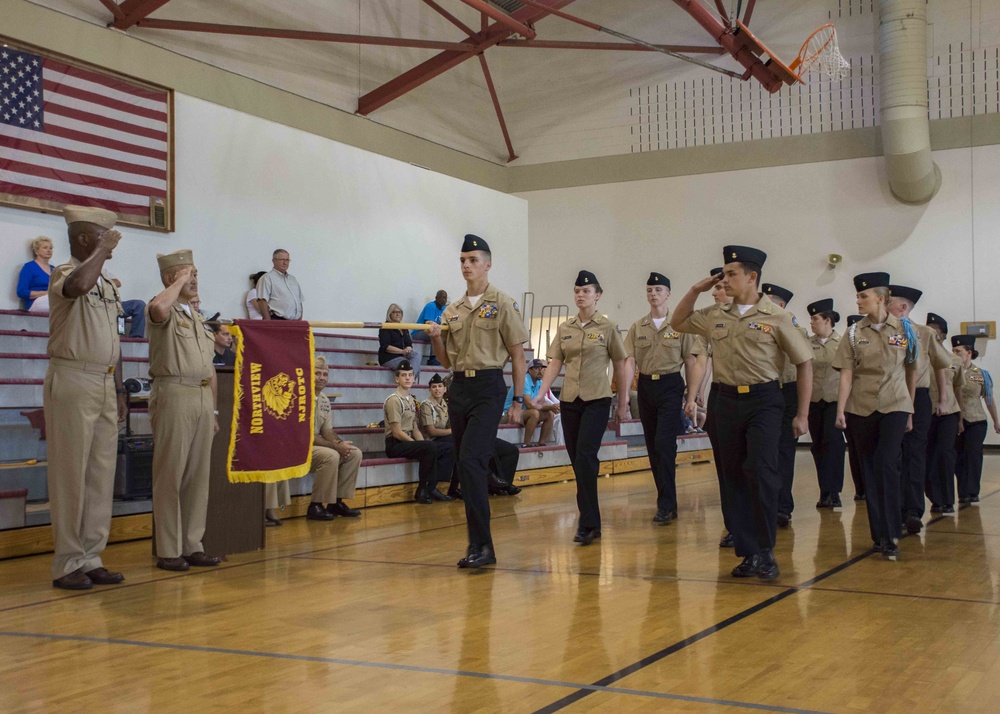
{"points": [[81, 426], [335, 476], [277, 495], [183, 429]]}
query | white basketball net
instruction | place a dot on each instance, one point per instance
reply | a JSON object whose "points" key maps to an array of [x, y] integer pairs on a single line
{"points": [[822, 53]]}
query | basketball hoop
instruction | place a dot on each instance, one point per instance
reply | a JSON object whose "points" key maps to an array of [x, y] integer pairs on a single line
{"points": [[822, 53]]}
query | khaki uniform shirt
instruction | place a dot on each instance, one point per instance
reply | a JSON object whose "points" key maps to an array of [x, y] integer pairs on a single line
{"points": [[84, 328], [954, 382], [586, 352], [401, 410], [701, 346], [826, 380], [478, 335], [661, 351], [878, 359], [973, 390], [283, 294], [789, 373], [180, 346], [434, 414], [324, 414], [930, 353], [747, 349]]}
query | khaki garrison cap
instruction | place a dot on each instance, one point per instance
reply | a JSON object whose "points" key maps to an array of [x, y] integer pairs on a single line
{"points": [[85, 214], [172, 260]]}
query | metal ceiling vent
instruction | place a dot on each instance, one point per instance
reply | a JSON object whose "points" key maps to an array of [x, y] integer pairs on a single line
{"points": [[508, 6]]}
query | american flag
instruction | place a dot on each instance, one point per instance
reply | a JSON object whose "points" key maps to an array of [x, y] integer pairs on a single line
{"points": [[72, 135]]}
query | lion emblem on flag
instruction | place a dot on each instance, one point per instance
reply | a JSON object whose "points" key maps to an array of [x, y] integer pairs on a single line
{"points": [[279, 395]]}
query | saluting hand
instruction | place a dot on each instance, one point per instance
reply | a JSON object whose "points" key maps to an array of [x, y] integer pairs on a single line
{"points": [[703, 286], [108, 240], [183, 274]]}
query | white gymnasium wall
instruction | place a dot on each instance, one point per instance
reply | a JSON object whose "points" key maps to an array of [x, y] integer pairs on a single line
{"points": [[363, 230], [798, 214]]}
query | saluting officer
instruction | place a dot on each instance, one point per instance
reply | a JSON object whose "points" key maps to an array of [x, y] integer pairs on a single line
{"points": [[878, 368], [941, 454], [827, 440], [930, 353], [485, 329], [786, 446], [748, 337], [586, 343], [84, 400], [657, 351], [183, 410]]}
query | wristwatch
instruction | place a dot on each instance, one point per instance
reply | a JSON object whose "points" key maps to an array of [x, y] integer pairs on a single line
{"points": [[519, 400]]}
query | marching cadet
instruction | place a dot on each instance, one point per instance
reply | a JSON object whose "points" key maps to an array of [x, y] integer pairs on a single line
{"points": [[827, 440], [748, 337], [786, 446], [857, 476], [976, 385], [658, 352], [183, 410], [878, 369], [485, 329], [701, 374], [84, 400], [930, 353], [587, 343], [941, 454]]}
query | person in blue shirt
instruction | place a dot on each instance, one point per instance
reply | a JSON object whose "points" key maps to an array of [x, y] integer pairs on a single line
{"points": [[33, 282], [431, 313], [531, 417]]}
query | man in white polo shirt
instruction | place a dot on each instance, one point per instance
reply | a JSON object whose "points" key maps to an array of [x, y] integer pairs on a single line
{"points": [[279, 296]]}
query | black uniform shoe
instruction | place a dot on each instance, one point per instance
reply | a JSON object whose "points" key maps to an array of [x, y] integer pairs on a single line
{"points": [[973, 499], [342, 509], [877, 547], [727, 541], [581, 534], [768, 566], [835, 501], [513, 490], [478, 556], [316, 512], [947, 510], [456, 494], [859, 497], [664, 517], [913, 523], [748, 568], [438, 496], [589, 534], [935, 508], [784, 519], [890, 551], [964, 499], [824, 501], [422, 496]]}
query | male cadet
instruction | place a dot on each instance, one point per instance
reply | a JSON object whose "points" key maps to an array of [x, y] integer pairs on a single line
{"points": [[747, 338], [485, 328], [84, 400], [658, 353], [930, 353], [183, 410], [786, 446]]}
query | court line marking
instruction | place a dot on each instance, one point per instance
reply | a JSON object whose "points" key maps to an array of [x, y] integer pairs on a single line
{"points": [[402, 667], [738, 617]]}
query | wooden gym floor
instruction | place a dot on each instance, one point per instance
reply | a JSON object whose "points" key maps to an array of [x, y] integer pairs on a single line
{"points": [[373, 616]]}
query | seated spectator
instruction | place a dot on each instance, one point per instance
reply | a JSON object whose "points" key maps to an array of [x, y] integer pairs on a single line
{"points": [[435, 423], [223, 355], [251, 299], [403, 438], [33, 281], [335, 462], [431, 313], [396, 346], [531, 417], [134, 310]]}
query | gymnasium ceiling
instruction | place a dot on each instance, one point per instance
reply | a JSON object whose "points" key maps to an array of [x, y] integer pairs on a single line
{"points": [[558, 104]]}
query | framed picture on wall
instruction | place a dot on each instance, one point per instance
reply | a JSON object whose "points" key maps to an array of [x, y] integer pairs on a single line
{"points": [[73, 133]]}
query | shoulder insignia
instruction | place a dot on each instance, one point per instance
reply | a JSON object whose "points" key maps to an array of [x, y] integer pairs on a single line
{"points": [[794, 321], [517, 308]]}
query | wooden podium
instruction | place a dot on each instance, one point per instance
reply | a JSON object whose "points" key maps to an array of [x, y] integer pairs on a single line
{"points": [[235, 510]]}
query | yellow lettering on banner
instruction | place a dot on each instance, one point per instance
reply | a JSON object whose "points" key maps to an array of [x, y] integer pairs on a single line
{"points": [[299, 373], [257, 417]]}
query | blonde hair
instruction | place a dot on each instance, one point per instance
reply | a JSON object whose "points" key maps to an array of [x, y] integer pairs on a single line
{"points": [[388, 312], [320, 362], [37, 242], [883, 292]]}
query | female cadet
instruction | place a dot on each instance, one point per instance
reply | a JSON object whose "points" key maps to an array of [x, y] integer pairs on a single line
{"points": [[878, 370], [976, 384], [852, 451], [586, 344], [827, 441], [941, 455]]}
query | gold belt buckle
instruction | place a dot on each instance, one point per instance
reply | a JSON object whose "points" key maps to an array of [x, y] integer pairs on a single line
{"points": [[206, 382], [111, 369], [654, 377], [743, 389], [470, 373]]}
